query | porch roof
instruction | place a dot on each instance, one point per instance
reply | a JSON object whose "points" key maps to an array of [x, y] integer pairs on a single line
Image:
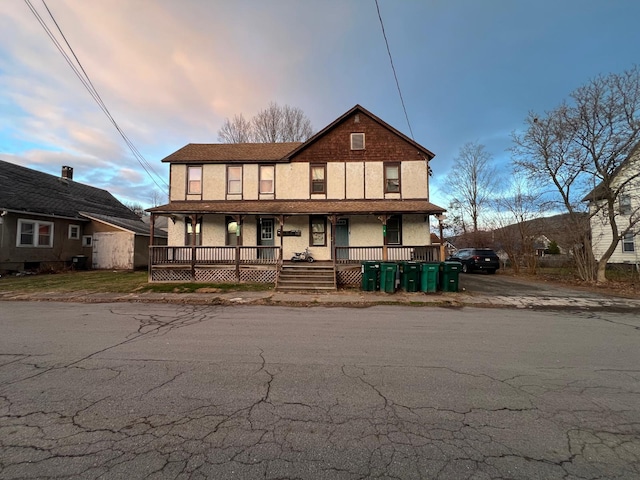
{"points": [[300, 207]]}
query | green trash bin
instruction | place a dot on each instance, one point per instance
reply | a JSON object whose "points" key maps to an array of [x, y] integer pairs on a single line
{"points": [[429, 277], [388, 272], [370, 276], [449, 273], [410, 276]]}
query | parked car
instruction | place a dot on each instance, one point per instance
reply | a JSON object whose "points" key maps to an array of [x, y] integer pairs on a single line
{"points": [[476, 259]]}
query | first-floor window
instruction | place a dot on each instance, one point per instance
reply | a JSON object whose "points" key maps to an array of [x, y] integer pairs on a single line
{"points": [[74, 232], [394, 230], [34, 233], [87, 240], [318, 231], [627, 243], [190, 233]]}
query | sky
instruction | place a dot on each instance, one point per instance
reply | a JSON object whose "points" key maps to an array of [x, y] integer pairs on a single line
{"points": [[170, 72]]}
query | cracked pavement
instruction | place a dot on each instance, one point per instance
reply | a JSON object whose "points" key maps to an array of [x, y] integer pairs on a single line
{"points": [[157, 391]]}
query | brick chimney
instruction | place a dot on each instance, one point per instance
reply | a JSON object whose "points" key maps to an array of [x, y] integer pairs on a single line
{"points": [[67, 172]]}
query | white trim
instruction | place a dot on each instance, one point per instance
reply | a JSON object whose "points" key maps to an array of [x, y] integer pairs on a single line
{"points": [[357, 146], [87, 241], [71, 236], [35, 236]]}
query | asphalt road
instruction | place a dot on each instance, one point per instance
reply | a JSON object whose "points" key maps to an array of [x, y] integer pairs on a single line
{"points": [[124, 391]]}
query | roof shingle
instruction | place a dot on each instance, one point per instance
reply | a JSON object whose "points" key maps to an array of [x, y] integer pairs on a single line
{"points": [[232, 152]]}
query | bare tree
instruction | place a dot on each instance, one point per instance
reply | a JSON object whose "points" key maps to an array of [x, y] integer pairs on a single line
{"points": [[582, 143], [237, 130], [475, 180], [517, 232], [156, 197], [274, 124]]}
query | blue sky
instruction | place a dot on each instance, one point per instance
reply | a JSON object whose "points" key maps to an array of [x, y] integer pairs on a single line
{"points": [[171, 72]]}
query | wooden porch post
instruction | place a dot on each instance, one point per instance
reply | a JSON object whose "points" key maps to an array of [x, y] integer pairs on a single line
{"points": [[334, 222], [441, 218], [152, 226], [385, 253], [281, 222], [194, 225], [239, 233]]}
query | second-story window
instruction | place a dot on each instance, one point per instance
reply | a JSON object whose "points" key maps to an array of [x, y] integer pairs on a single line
{"points": [[194, 180], [625, 204], [318, 179], [267, 173], [234, 180], [391, 178]]}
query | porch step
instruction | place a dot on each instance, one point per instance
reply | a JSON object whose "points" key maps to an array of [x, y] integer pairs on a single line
{"points": [[305, 277]]}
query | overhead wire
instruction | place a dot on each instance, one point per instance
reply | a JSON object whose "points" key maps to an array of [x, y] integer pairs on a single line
{"points": [[88, 84], [393, 68]]}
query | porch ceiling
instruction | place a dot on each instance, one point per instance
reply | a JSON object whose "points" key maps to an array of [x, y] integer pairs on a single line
{"points": [[300, 207]]}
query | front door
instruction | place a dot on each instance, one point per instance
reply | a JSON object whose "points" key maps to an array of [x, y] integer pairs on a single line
{"points": [[265, 237], [342, 237]]}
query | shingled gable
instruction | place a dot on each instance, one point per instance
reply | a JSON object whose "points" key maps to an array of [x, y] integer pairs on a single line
{"points": [[25, 190], [360, 110]]}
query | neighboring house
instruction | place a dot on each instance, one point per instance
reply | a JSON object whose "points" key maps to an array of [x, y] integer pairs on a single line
{"points": [[626, 178], [357, 190], [54, 222]]}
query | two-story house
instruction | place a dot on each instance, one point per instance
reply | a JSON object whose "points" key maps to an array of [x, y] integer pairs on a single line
{"points": [[357, 190], [626, 182]]}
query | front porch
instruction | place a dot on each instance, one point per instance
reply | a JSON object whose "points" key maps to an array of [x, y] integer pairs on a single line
{"points": [[262, 264]]}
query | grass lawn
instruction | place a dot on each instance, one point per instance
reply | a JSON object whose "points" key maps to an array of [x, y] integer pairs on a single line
{"points": [[102, 281]]}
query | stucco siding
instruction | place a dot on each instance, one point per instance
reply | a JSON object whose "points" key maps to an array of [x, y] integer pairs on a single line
{"points": [[178, 182], [250, 182], [414, 179], [336, 179], [213, 182], [355, 180], [415, 230], [292, 181], [374, 180]]}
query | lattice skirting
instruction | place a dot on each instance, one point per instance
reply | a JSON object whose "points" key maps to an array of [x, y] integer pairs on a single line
{"points": [[258, 276], [351, 276], [214, 275], [170, 275]]}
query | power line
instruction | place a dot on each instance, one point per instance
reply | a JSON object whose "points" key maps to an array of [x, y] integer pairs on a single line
{"points": [[86, 82], [384, 34]]}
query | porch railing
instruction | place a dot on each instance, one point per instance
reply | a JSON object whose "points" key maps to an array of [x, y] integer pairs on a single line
{"points": [[425, 253], [166, 255]]}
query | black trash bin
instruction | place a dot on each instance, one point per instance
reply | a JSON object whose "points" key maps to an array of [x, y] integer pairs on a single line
{"points": [[80, 262]]}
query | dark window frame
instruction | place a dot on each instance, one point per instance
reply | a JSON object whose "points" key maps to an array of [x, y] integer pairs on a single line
{"points": [[273, 180], [194, 168], [317, 219], [386, 179], [313, 182], [229, 167], [398, 219]]}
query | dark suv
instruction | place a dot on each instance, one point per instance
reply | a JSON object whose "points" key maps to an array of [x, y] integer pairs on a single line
{"points": [[476, 259]]}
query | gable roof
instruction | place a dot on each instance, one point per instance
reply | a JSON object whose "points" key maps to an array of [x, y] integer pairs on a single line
{"points": [[25, 190], [271, 152], [364, 111], [232, 152], [599, 191]]}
